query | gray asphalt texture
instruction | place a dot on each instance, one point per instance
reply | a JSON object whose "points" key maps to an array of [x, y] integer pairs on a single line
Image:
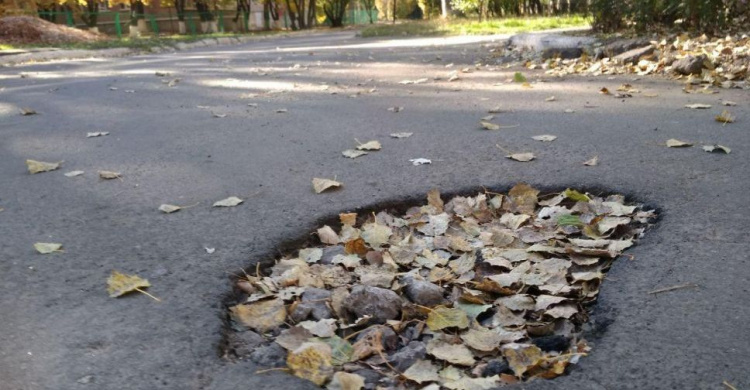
{"points": [[60, 330]]}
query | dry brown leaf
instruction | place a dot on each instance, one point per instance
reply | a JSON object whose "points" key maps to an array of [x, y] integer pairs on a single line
{"points": [[27, 111], [320, 185], [228, 202], [369, 145], [311, 361], [119, 284], [522, 157], [328, 236], [349, 219], [47, 247], [41, 166], [262, 316], [675, 143], [109, 175], [725, 117]]}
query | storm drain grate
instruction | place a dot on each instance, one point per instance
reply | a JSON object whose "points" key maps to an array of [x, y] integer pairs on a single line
{"points": [[473, 293]]}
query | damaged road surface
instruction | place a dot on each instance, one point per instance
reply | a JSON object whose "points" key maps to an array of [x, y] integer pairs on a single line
{"points": [[199, 167]]}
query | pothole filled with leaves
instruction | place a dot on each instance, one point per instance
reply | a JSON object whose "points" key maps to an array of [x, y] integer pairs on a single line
{"points": [[472, 293]]}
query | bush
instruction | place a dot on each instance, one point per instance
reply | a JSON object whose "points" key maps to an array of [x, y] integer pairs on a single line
{"points": [[699, 15]]}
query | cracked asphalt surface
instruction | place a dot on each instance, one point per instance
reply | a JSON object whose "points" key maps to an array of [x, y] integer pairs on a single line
{"points": [[60, 330]]}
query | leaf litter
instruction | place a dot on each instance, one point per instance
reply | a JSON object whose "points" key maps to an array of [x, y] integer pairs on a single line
{"points": [[471, 293]]}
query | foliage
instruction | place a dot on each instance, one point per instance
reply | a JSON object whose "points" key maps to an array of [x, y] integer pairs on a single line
{"points": [[464, 27], [700, 15], [335, 10]]}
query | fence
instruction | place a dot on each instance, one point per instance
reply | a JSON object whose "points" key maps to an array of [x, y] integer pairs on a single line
{"points": [[116, 22]]}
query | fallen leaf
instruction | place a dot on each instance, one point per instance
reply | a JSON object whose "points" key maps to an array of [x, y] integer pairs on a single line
{"points": [[395, 109], [228, 202], [698, 106], [351, 153], [498, 110], [109, 175], [322, 328], [119, 284], [261, 316], [575, 195], [675, 143], [593, 162], [218, 115], [370, 145], [346, 381], [320, 185], [97, 134], [725, 117], [443, 317], [169, 208], [41, 166], [27, 111], [422, 371], [457, 354], [209, 250], [522, 357], [518, 77], [489, 126], [488, 118], [73, 173], [328, 236], [522, 157], [604, 91], [544, 138], [401, 135], [550, 99], [47, 247], [420, 161], [282, 111], [482, 339], [716, 149], [376, 235], [311, 361], [728, 103]]}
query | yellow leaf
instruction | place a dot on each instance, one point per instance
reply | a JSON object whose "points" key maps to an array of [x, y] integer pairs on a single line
{"points": [[169, 208], [489, 126], [47, 247], [346, 381], [311, 361], [522, 357], [320, 185], [120, 284], [41, 166], [443, 317], [109, 175], [522, 157], [261, 316], [725, 117], [675, 143], [370, 145]]}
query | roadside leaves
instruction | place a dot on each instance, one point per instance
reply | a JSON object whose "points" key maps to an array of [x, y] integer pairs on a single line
{"points": [[228, 202], [675, 143], [109, 175], [169, 208], [725, 117], [716, 149], [434, 295], [41, 166], [47, 247], [320, 185], [522, 157], [544, 138], [119, 284], [370, 145]]}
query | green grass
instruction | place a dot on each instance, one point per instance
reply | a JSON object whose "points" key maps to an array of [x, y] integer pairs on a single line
{"points": [[144, 43], [469, 27]]}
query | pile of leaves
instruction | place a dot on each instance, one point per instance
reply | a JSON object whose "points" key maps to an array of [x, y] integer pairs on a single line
{"points": [[467, 294], [721, 62], [31, 30]]}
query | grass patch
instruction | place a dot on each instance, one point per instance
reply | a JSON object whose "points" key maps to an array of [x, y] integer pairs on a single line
{"points": [[143, 43], [468, 27]]}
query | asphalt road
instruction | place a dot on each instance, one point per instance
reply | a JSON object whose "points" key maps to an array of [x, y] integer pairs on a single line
{"points": [[60, 330]]}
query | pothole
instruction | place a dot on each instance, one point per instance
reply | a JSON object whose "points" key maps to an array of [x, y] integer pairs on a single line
{"points": [[472, 293]]}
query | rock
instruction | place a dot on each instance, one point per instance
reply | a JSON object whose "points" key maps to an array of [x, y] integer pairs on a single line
{"points": [[496, 367], [553, 45], [377, 302], [371, 376], [408, 355], [564, 53], [330, 252], [423, 292], [633, 56], [551, 343], [244, 343], [388, 338], [314, 304], [269, 356], [689, 65]]}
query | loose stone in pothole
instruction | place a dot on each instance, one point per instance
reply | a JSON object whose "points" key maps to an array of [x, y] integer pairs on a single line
{"points": [[474, 293]]}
